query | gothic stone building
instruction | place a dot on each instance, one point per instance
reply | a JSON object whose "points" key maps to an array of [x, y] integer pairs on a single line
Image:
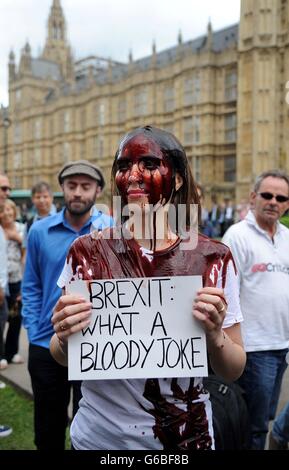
{"points": [[222, 94]]}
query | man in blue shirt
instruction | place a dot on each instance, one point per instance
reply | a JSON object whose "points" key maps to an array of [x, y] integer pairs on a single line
{"points": [[48, 242]]}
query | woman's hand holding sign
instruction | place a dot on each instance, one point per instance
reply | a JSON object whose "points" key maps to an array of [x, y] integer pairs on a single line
{"points": [[210, 309], [71, 314]]}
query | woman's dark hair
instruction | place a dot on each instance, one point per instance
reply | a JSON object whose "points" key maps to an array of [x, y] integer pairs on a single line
{"points": [[187, 194]]}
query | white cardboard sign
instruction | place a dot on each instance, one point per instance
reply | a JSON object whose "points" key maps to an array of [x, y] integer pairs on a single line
{"points": [[140, 328]]}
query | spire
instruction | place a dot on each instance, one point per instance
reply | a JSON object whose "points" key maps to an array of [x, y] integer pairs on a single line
{"points": [[11, 57], [27, 48], [209, 42], [154, 54], [209, 27], [56, 47], [130, 62], [130, 56], [56, 23], [11, 66], [180, 48]]}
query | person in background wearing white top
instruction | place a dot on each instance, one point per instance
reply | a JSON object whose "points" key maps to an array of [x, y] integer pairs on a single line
{"points": [[4, 193], [151, 167], [260, 246], [13, 231], [3, 284]]}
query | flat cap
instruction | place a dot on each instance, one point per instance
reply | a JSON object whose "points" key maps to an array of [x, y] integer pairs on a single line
{"points": [[81, 167]]}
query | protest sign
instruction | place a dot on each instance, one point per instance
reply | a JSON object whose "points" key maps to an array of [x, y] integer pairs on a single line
{"points": [[140, 328]]}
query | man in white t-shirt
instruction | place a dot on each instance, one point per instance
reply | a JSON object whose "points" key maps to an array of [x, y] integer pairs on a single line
{"points": [[260, 245], [4, 193]]}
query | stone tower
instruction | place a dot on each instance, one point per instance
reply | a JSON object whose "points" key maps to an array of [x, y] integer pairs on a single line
{"points": [[56, 48], [263, 51]]}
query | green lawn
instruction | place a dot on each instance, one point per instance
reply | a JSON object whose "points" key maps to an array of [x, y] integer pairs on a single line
{"points": [[16, 410]]}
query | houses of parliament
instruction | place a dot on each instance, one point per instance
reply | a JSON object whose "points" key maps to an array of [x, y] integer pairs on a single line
{"points": [[222, 94]]}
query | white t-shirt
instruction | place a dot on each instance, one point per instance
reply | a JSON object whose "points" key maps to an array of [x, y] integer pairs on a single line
{"points": [[3, 257]]}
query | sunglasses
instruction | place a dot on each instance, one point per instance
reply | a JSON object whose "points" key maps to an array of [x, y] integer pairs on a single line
{"points": [[5, 188], [278, 197]]}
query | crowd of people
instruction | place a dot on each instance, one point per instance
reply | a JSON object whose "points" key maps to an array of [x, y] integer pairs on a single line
{"points": [[242, 306], [216, 221]]}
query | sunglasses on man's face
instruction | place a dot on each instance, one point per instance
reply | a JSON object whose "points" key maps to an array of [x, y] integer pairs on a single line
{"points": [[5, 188], [278, 197]]}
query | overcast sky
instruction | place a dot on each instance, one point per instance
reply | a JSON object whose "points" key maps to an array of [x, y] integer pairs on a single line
{"points": [[109, 28]]}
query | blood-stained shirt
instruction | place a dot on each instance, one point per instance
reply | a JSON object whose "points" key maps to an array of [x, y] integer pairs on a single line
{"points": [[148, 414]]}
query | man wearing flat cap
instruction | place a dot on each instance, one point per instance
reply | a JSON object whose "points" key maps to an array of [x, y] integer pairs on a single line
{"points": [[48, 242], [82, 167]]}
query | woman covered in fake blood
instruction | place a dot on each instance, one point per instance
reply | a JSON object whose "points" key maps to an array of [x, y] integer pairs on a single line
{"points": [[151, 174]]}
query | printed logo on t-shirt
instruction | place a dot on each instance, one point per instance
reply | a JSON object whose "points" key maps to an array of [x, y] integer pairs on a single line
{"points": [[269, 268]]}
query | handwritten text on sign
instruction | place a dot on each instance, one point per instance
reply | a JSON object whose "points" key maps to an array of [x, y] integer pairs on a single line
{"points": [[140, 328]]}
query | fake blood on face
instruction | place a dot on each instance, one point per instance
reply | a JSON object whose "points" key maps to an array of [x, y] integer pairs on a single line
{"points": [[143, 171]]}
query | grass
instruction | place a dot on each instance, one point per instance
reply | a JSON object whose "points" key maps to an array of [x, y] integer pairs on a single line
{"points": [[16, 410]]}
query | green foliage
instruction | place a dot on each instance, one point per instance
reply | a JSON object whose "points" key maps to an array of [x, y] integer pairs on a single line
{"points": [[285, 219], [16, 410]]}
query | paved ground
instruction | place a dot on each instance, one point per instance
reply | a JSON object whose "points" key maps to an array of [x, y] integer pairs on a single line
{"points": [[17, 374]]}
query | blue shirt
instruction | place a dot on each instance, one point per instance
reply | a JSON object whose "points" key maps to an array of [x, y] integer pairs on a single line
{"points": [[35, 218], [47, 246]]}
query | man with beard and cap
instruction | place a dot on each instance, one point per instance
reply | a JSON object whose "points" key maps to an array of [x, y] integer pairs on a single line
{"points": [[48, 242]]}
